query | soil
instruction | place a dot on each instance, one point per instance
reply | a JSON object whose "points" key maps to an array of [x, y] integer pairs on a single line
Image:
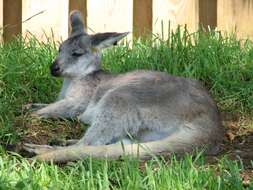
{"points": [[238, 141]]}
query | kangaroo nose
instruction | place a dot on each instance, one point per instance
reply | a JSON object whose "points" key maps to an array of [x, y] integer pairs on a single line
{"points": [[55, 69]]}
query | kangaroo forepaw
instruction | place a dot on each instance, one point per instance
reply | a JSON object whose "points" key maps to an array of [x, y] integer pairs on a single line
{"points": [[40, 114], [34, 107]]}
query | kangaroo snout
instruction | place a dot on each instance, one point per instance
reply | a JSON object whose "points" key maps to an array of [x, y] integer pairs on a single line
{"points": [[55, 69]]}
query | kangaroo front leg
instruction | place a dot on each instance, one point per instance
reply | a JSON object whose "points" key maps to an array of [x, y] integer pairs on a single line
{"points": [[66, 108]]}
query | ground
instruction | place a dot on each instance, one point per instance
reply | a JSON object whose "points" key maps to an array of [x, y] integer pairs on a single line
{"points": [[237, 143]]}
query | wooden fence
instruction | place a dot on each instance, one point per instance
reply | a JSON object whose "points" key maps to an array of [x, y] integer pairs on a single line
{"points": [[225, 15]]}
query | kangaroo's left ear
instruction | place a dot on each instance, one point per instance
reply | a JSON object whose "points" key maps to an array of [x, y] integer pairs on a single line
{"points": [[77, 24], [103, 40]]}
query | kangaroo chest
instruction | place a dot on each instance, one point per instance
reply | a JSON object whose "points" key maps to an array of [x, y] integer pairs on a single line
{"points": [[75, 89]]}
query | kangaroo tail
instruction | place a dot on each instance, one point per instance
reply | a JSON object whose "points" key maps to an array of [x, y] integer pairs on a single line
{"points": [[180, 142]]}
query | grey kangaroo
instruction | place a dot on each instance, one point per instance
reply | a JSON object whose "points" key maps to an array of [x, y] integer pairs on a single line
{"points": [[139, 113]]}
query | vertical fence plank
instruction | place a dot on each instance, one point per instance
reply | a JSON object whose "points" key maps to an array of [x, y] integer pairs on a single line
{"points": [[12, 19], [142, 17], [49, 19], [237, 17], [80, 5], [110, 15], [208, 13], [167, 15]]}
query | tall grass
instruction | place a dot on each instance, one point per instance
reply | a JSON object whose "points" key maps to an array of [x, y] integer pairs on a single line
{"points": [[186, 174], [24, 78], [223, 64]]}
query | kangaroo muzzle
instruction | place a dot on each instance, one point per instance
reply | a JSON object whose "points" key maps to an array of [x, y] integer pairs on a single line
{"points": [[55, 69]]}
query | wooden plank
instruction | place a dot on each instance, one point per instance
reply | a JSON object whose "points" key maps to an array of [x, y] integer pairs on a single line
{"points": [[110, 16], [208, 13], [50, 23], [236, 16], [80, 5], [1, 21], [142, 17], [171, 13], [12, 19]]}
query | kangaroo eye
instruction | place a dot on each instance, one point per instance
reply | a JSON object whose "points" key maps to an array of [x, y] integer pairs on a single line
{"points": [[78, 52]]}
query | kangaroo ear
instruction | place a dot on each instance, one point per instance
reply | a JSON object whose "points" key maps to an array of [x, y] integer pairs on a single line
{"points": [[103, 40], [76, 22]]}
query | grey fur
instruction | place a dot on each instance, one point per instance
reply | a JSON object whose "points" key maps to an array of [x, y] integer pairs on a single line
{"points": [[163, 113]]}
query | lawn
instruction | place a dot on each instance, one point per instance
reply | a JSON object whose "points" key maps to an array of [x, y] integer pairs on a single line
{"points": [[223, 64]]}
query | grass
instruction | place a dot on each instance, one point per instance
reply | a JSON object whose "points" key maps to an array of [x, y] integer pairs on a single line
{"points": [[188, 173], [223, 64]]}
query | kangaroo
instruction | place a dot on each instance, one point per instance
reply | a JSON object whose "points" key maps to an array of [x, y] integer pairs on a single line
{"points": [[139, 113]]}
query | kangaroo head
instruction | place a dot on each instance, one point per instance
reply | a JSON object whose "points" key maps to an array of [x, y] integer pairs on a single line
{"points": [[79, 55]]}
